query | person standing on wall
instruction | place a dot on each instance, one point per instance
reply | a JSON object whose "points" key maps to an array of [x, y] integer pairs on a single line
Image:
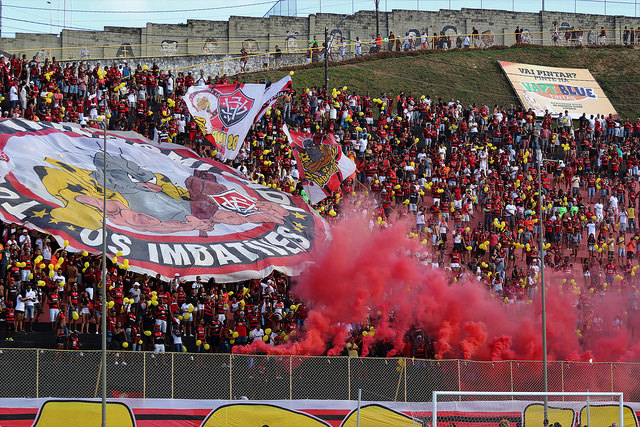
{"points": [[358, 47], [278, 56], [243, 60]]}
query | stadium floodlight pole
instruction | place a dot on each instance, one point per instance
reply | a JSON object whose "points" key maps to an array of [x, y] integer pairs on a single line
{"points": [[543, 292], [328, 44], [104, 275], [50, 17], [377, 2], [326, 60]]}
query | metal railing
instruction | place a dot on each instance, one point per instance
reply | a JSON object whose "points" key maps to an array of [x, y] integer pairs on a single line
{"points": [[35, 373], [211, 46]]}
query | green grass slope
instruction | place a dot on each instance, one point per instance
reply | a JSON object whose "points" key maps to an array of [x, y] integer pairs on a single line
{"points": [[473, 76]]}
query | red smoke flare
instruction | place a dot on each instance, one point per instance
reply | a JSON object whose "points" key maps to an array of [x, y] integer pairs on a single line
{"points": [[381, 275]]}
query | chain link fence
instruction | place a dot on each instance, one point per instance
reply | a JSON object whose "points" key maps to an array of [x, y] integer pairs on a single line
{"points": [[35, 373]]}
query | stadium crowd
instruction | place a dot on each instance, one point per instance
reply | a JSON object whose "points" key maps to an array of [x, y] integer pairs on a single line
{"points": [[465, 177]]}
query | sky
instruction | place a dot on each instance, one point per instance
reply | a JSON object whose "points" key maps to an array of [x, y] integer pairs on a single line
{"points": [[42, 16]]}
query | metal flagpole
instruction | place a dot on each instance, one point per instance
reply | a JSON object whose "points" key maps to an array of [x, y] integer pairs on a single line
{"points": [[543, 294], [104, 277]]}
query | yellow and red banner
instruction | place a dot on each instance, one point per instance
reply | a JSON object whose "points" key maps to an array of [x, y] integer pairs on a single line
{"points": [[303, 413], [556, 90]]}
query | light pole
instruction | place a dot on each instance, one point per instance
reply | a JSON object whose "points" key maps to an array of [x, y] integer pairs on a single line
{"points": [[50, 17], [326, 60], [543, 292], [104, 276], [377, 2], [103, 290], [328, 44]]}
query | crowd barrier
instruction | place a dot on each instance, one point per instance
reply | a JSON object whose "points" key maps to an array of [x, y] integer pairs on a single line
{"points": [[38, 373]]}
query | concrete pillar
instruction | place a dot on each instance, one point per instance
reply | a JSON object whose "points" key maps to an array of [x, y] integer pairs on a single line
{"points": [[507, 40], [468, 26]]}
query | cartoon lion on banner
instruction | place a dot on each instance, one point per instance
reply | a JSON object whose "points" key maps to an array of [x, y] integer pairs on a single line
{"points": [[149, 202]]}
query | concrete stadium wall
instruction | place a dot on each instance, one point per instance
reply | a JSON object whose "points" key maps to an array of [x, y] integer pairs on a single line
{"points": [[199, 37], [212, 65]]}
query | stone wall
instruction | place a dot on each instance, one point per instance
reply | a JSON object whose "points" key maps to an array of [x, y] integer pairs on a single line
{"points": [[212, 65], [199, 37]]}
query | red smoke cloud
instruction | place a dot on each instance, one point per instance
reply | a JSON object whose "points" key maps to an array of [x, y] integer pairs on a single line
{"points": [[361, 273]]}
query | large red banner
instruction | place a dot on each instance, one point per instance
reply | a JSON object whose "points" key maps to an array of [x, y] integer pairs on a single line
{"points": [[168, 210]]}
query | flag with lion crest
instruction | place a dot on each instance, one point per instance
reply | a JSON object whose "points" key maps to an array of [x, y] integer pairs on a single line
{"points": [[321, 163]]}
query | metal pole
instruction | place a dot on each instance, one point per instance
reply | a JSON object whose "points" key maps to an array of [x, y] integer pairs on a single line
{"points": [[50, 18], [621, 410], [404, 366], [511, 374], [543, 293], [144, 375], [348, 378], [104, 277], [434, 413], [530, 393], [326, 60], [359, 400], [377, 17], [173, 353], [588, 411], [37, 373]]}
